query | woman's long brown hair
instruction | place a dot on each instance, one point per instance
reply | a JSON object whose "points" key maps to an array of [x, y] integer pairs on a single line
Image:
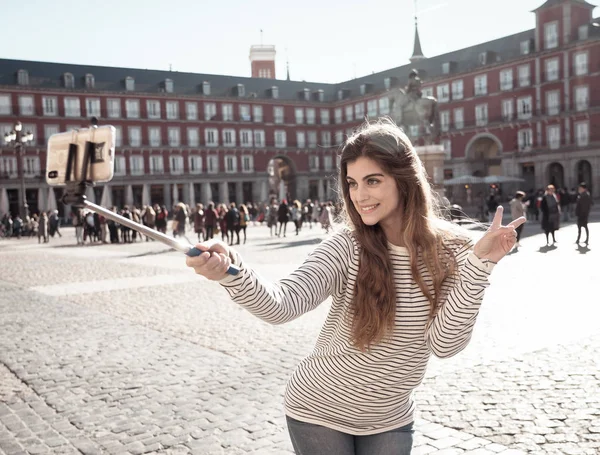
{"points": [[374, 306]]}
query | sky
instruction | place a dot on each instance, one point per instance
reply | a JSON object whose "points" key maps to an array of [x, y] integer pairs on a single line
{"points": [[324, 40]]}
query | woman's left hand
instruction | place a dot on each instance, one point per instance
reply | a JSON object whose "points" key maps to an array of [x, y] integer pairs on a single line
{"points": [[498, 240]]}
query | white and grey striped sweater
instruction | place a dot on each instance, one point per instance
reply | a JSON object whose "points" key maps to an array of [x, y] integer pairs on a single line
{"points": [[338, 386]]}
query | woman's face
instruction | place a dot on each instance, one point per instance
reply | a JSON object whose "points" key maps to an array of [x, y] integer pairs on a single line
{"points": [[374, 193]]}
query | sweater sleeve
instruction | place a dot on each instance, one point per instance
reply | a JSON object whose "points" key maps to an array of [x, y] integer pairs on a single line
{"points": [[322, 274], [450, 330]]}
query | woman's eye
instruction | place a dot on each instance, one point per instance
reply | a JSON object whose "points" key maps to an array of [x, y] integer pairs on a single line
{"points": [[372, 181], [351, 184]]}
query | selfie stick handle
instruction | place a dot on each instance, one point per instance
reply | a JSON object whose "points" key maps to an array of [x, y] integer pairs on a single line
{"points": [[159, 236]]}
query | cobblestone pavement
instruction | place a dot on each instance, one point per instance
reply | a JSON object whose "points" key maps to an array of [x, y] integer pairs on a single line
{"points": [[123, 350]]}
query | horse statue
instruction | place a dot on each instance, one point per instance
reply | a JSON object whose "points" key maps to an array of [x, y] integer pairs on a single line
{"points": [[409, 109]]}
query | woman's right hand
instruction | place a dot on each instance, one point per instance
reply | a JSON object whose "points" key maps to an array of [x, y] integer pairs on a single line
{"points": [[214, 262]]}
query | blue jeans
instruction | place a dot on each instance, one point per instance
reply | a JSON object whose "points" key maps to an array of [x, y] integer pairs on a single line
{"points": [[310, 439]]}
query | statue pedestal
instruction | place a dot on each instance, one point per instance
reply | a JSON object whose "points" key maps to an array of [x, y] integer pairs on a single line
{"points": [[432, 157]]}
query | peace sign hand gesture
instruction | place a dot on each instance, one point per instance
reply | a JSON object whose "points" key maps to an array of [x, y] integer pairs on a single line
{"points": [[498, 240]]}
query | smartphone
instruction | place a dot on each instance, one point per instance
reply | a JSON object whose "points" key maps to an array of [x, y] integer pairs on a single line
{"points": [[67, 153]]}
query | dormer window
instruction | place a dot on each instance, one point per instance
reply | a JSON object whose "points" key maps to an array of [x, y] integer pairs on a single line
{"points": [[241, 90], [446, 68], [551, 35], [363, 89], [583, 32], [340, 95], [525, 47], [320, 95], [168, 85], [306, 94], [23, 77], [129, 84], [274, 92], [206, 88], [68, 80], [90, 82], [387, 83]]}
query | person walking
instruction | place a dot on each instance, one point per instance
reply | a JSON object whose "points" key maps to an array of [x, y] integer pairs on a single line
{"points": [[404, 283], [283, 216], [42, 229], [211, 217], [244, 220], [550, 213], [517, 210], [583, 207]]}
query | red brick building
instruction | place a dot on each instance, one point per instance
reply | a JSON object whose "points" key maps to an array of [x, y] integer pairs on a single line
{"points": [[525, 105]]}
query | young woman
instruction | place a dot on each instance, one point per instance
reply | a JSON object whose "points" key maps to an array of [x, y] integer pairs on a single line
{"points": [[550, 213], [403, 284]]}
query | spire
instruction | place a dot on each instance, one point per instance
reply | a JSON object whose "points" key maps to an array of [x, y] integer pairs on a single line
{"points": [[287, 63], [417, 52], [288, 70]]}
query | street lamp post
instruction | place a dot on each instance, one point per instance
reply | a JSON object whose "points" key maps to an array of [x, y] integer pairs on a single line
{"points": [[20, 139]]}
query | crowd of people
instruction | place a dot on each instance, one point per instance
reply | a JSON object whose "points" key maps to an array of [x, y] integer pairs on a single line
{"points": [[41, 225]]}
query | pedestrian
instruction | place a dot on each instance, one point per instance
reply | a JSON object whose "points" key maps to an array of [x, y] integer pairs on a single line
{"points": [[405, 284], [283, 216], [232, 221], [550, 213], [517, 210], [211, 218], [244, 220], [199, 222], [42, 229], [297, 215], [582, 211], [272, 217]]}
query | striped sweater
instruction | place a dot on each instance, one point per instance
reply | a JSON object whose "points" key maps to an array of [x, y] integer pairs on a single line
{"points": [[337, 385]]}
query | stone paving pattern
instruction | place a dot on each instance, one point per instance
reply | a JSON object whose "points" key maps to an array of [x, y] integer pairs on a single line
{"points": [[167, 364]]}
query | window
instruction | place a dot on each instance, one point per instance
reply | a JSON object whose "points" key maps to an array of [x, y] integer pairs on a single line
{"points": [[26, 105], [506, 79], [193, 137], [50, 106], [206, 88], [246, 138], [581, 98], [553, 133], [210, 111], [481, 84], [172, 110], [49, 130], [68, 80], [583, 32], [313, 162], [324, 116], [257, 112], [211, 136], [349, 112], [92, 107], [337, 115], [428, 91], [443, 93], [311, 116], [8, 166], [525, 47], [230, 164], [413, 130], [245, 113], [300, 139], [481, 115], [507, 110], [551, 35], [129, 84], [274, 91], [168, 85], [191, 111], [372, 108], [387, 83], [174, 136], [176, 164], [525, 140], [459, 118], [195, 164], [299, 113], [551, 69], [328, 162], [136, 164], [120, 165], [132, 108], [445, 120], [581, 63], [153, 108], [312, 139], [278, 114], [384, 105], [118, 136], [5, 105], [212, 164], [446, 68], [338, 137], [553, 102], [32, 166], [582, 133], [320, 95], [135, 136], [524, 76], [326, 138], [524, 107], [457, 90], [229, 137], [280, 139], [72, 107], [154, 136], [90, 82], [363, 89], [247, 163], [227, 111], [23, 77], [447, 144], [259, 138], [113, 108], [157, 164], [359, 111]]}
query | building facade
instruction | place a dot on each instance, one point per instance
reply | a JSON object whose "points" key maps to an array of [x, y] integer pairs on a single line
{"points": [[523, 106]]}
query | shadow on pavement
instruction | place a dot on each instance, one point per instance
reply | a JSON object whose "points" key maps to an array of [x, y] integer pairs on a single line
{"points": [[279, 245], [547, 248], [583, 249]]}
